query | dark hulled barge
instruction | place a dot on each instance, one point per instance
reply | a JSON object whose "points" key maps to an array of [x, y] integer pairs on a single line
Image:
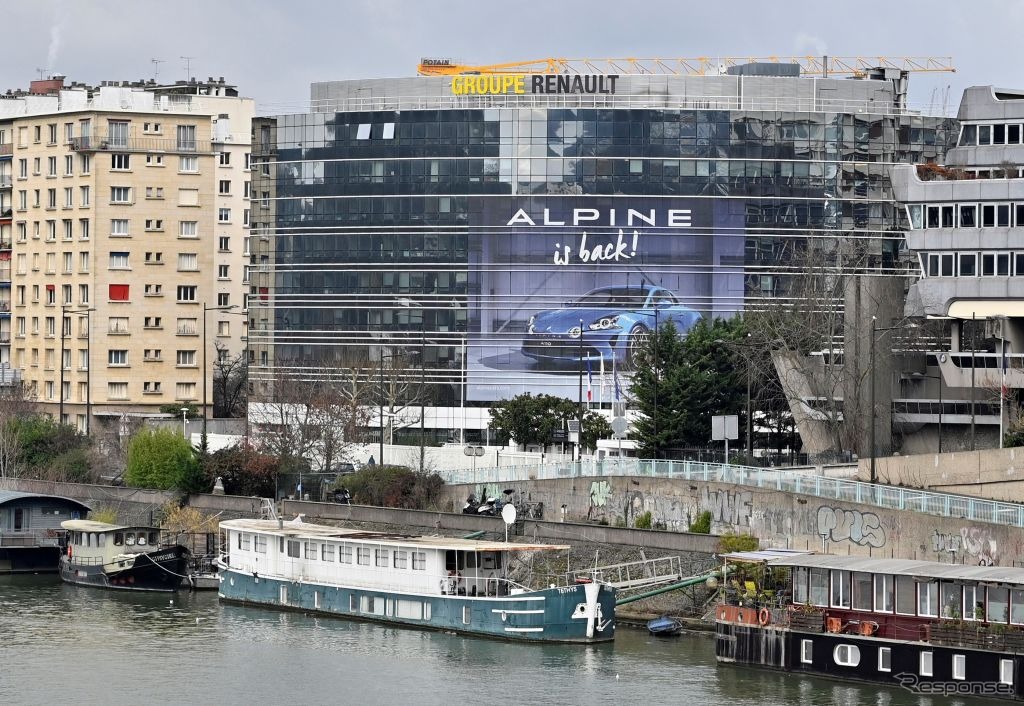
{"points": [[929, 627], [127, 558]]}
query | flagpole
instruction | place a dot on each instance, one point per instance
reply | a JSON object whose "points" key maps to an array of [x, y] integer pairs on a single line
{"points": [[1002, 385]]}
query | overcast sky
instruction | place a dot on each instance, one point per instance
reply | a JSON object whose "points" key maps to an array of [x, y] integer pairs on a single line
{"points": [[273, 49]]}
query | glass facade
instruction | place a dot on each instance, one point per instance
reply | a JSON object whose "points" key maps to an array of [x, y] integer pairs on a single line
{"points": [[527, 249]]}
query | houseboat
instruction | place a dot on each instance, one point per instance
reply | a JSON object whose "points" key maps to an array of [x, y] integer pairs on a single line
{"points": [[928, 627], [30, 530], [127, 558], [440, 583]]}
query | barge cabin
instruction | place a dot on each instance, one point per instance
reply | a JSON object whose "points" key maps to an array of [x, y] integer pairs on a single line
{"points": [[933, 628], [121, 557]]}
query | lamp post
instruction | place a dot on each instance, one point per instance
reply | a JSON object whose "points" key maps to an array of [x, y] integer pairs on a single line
{"points": [[64, 313], [579, 409], [184, 421], [875, 330], [205, 375], [922, 376]]}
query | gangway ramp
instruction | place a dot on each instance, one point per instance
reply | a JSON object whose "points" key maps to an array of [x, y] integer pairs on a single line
{"points": [[634, 574]]}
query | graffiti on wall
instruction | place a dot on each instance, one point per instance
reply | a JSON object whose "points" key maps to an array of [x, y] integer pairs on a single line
{"points": [[726, 506], [976, 542], [840, 525]]}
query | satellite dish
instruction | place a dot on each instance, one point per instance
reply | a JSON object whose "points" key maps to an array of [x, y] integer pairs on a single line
{"points": [[508, 513]]}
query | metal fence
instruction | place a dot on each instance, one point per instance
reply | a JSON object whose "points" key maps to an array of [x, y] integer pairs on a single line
{"points": [[885, 496]]}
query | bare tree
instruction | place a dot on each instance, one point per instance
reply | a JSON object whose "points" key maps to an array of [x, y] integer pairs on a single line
{"points": [[230, 383], [398, 389], [17, 401]]}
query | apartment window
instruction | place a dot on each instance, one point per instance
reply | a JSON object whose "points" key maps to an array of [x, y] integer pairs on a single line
{"points": [[83, 364], [154, 258], [153, 322], [151, 127], [188, 164], [49, 387], [245, 217], [51, 166], [248, 161], [85, 161], [21, 295], [152, 388], [119, 227], [23, 169], [806, 651], [224, 159], [118, 293], [51, 198], [120, 194], [185, 391], [69, 196], [188, 262], [925, 664], [154, 290], [65, 291], [69, 165], [117, 390], [120, 162], [83, 262], [51, 291], [152, 354], [224, 187], [188, 327], [187, 137], [22, 200], [21, 325], [188, 229], [186, 359], [246, 269], [223, 215], [224, 243], [22, 232], [246, 189], [222, 271], [69, 261], [22, 261], [223, 328], [83, 192], [117, 133], [117, 357], [118, 324], [37, 166], [51, 231], [223, 299], [119, 261], [186, 293], [154, 160]]}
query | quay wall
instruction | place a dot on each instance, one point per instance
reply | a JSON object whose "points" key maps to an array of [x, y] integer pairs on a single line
{"points": [[994, 474]]}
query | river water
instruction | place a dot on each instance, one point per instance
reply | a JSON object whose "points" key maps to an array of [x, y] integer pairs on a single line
{"points": [[63, 644]]}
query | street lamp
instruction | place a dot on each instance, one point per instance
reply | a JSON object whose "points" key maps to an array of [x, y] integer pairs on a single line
{"points": [[922, 376], [875, 330], [64, 312], [206, 309], [184, 421]]}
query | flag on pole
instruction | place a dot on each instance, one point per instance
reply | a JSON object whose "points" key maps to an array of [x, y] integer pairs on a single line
{"points": [[590, 382], [615, 380], [603, 383]]}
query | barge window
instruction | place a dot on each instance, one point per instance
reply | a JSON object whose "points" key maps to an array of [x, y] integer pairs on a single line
{"points": [[906, 595], [840, 588], [327, 552], [885, 659], [101, 540], [883, 593], [293, 548], [998, 604], [261, 544], [363, 556], [401, 559], [959, 667], [153, 538], [819, 587], [925, 664], [244, 541], [419, 561], [952, 600], [861, 590], [806, 651], [353, 603], [800, 585], [974, 609], [382, 558], [1017, 606], [846, 655], [310, 550], [1006, 671], [928, 599], [467, 614], [118, 539], [129, 539], [345, 553]]}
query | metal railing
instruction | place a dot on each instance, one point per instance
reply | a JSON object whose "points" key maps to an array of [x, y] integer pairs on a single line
{"points": [[31, 538], [885, 496], [106, 143]]}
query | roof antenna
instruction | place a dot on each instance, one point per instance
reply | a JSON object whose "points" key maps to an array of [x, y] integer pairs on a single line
{"points": [[156, 66], [42, 73], [188, 66]]}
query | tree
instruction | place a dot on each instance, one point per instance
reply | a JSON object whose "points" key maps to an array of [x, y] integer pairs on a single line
{"points": [[163, 459], [394, 486], [684, 381], [244, 471], [16, 403], [533, 420], [230, 383]]}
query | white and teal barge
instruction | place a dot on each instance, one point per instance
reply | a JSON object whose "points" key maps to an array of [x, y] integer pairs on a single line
{"points": [[438, 583]]}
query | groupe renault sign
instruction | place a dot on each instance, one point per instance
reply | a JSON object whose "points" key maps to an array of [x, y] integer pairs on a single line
{"points": [[499, 84]]}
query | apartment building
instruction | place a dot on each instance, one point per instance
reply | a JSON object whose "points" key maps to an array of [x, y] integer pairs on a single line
{"points": [[126, 232]]}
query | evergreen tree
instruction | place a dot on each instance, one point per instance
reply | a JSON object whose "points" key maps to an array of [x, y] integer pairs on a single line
{"points": [[686, 380]]}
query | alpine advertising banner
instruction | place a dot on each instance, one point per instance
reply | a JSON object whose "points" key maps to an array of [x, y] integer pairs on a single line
{"points": [[564, 289]]}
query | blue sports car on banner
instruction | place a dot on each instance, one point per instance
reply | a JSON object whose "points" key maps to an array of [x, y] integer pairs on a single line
{"points": [[615, 323]]}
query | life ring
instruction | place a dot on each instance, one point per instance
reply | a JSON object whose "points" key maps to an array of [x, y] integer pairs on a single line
{"points": [[764, 617]]}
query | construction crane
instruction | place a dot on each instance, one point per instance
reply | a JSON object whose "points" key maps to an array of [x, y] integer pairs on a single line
{"points": [[700, 66]]}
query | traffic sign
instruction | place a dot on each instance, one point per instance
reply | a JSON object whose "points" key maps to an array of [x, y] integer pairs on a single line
{"points": [[619, 426], [473, 450]]}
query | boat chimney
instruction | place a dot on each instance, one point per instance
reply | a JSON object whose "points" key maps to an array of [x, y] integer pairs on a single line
{"points": [[280, 523]]}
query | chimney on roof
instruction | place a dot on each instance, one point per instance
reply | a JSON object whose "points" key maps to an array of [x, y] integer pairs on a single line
{"points": [[47, 86]]}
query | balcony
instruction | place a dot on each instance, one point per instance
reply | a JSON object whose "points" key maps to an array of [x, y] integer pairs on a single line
{"points": [[6, 148], [101, 143], [5, 181]]}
